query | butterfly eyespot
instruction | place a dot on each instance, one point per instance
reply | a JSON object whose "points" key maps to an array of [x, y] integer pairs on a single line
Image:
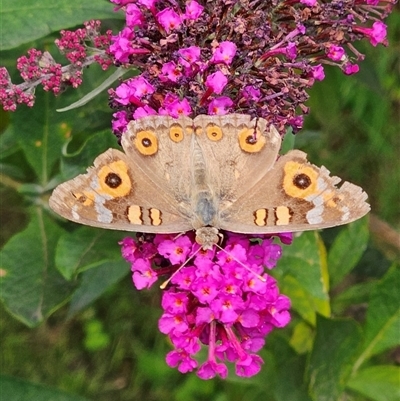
{"points": [[176, 133], [114, 179], [86, 198], [79, 197], [251, 140], [146, 143], [302, 181], [214, 133]]}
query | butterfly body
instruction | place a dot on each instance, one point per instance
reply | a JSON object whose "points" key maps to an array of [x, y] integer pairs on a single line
{"points": [[206, 174]]}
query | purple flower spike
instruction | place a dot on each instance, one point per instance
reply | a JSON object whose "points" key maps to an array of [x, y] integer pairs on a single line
{"points": [[177, 45], [216, 57]]}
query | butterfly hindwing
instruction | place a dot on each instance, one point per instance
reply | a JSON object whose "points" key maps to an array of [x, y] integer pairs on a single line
{"points": [[295, 195]]}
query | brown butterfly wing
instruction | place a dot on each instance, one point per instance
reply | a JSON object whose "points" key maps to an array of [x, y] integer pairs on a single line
{"points": [[295, 195], [115, 194]]}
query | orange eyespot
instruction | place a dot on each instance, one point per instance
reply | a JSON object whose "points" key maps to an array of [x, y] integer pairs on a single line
{"points": [[300, 180], [251, 140], [114, 179], [146, 143], [176, 133], [86, 198], [214, 133]]}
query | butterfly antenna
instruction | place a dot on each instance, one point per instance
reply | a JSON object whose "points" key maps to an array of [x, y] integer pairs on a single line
{"points": [[166, 282], [242, 264]]}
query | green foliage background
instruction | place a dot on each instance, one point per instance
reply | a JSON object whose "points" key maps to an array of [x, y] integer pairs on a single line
{"points": [[74, 328]]}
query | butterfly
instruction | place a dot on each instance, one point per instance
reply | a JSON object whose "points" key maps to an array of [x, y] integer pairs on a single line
{"points": [[206, 174]]}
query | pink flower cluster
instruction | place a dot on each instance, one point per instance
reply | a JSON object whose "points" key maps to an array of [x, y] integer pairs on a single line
{"points": [[39, 68], [219, 298], [248, 56]]}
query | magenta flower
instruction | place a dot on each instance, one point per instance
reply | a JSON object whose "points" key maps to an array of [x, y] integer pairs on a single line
{"points": [[122, 47], [211, 368], [335, 53], [149, 4], [310, 3], [175, 107], [291, 51], [169, 19], [189, 56], [224, 53], [251, 93], [124, 92], [171, 71], [143, 275], [249, 366], [376, 34], [133, 90], [120, 121], [216, 82], [176, 251], [220, 105], [223, 300], [193, 10], [143, 112], [181, 359], [318, 72], [134, 16], [350, 69]]}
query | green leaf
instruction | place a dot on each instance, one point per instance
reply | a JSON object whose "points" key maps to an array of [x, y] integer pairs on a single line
{"points": [[95, 282], [118, 73], [287, 143], [382, 326], [332, 357], [13, 215], [347, 250], [300, 299], [8, 142], [289, 372], [355, 295], [13, 389], [32, 288], [302, 338], [76, 162], [85, 248], [40, 133], [378, 383], [303, 276], [24, 21]]}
